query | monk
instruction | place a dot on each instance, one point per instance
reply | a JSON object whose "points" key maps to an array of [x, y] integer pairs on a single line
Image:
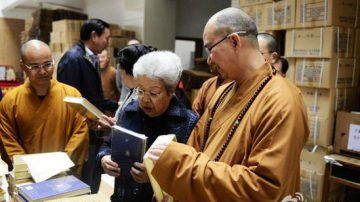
{"points": [[207, 90], [33, 116], [247, 144]]}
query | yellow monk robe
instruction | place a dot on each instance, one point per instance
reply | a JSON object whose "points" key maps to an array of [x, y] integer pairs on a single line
{"points": [[206, 92], [30, 124], [262, 161]]}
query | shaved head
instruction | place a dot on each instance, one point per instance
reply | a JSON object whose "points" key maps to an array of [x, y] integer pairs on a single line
{"points": [[35, 45]]}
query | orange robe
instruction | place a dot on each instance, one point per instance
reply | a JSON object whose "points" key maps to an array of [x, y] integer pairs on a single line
{"points": [[261, 162], [206, 92], [33, 125]]}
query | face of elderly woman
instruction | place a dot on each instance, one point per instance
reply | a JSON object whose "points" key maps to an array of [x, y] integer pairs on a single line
{"points": [[154, 98]]}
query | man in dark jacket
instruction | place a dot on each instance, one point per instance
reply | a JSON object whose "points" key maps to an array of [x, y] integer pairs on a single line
{"points": [[79, 67]]}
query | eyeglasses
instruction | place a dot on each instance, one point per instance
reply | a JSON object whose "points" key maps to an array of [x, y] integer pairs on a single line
{"points": [[223, 39], [46, 65], [141, 93]]}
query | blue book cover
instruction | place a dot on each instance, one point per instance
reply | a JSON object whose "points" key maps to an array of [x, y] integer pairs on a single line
{"points": [[127, 147], [54, 188]]}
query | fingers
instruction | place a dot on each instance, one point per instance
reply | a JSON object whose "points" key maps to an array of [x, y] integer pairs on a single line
{"points": [[155, 151], [139, 174], [109, 166]]}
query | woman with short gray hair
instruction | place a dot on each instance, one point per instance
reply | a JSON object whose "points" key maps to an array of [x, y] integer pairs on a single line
{"points": [[156, 112]]}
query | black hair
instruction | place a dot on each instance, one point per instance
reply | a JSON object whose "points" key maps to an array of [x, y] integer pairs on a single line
{"points": [[90, 25], [270, 41], [284, 65], [129, 55]]}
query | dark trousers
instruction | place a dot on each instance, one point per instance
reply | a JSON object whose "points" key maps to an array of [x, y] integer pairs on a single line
{"points": [[91, 175]]}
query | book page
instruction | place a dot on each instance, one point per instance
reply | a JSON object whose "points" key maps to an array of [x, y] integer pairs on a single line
{"points": [[42, 166]]}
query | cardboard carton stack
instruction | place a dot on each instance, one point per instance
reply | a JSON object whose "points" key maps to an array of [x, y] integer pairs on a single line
{"points": [[40, 25], [326, 71], [322, 45], [119, 38]]}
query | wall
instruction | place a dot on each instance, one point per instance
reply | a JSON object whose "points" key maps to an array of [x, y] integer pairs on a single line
{"points": [[192, 15]]}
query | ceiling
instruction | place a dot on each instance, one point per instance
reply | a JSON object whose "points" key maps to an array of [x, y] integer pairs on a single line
{"points": [[8, 5]]}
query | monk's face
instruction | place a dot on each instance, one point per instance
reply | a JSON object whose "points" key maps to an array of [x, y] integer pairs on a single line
{"points": [[154, 98], [38, 65], [217, 47]]}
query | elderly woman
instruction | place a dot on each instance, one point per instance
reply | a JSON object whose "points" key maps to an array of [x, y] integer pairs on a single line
{"points": [[156, 111]]}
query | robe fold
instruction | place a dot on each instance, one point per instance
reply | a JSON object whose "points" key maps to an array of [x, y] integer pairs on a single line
{"points": [[30, 124], [261, 162]]}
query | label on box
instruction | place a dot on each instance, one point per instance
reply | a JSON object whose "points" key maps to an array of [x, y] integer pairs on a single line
{"points": [[354, 137], [313, 12]]}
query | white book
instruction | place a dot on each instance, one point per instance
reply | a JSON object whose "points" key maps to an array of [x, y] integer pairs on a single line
{"points": [[149, 164], [43, 166], [84, 107]]}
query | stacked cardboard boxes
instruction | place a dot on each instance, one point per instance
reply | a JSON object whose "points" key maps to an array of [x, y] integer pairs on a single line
{"points": [[322, 45], [326, 71]]}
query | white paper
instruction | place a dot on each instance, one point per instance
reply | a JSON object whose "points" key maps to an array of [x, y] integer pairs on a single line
{"points": [[354, 138], [42, 166]]}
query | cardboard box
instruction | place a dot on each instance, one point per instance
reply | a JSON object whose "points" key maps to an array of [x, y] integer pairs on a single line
{"points": [[256, 12], [280, 15], [67, 25], [243, 3], [321, 13], [325, 42], [323, 102], [312, 158], [347, 133], [321, 130], [117, 42], [326, 73], [116, 32], [290, 74]]}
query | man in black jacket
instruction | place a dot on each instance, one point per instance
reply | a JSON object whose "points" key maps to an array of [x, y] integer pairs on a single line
{"points": [[79, 67]]}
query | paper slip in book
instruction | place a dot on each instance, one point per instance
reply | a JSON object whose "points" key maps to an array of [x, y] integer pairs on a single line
{"points": [[55, 188], [42, 166], [127, 147], [149, 164], [83, 107]]}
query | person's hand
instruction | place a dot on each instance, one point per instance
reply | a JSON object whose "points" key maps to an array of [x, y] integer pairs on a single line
{"points": [[155, 152], [102, 124], [139, 174], [109, 166]]}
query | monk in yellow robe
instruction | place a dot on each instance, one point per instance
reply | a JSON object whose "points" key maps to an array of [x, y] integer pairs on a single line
{"points": [[33, 116], [247, 144]]}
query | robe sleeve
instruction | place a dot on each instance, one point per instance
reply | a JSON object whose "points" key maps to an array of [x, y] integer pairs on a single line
{"points": [[78, 144], [8, 127], [264, 176]]}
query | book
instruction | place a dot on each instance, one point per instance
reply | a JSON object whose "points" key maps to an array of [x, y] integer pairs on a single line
{"points": [[42, 166], [66, 186], [99, 197], [83, 107], [127, 147], [19, 164], [149, 164]]}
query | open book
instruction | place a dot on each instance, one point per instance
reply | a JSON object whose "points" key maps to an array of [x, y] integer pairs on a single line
{"points": [[149, 164], [127, 147], [84, 107]]}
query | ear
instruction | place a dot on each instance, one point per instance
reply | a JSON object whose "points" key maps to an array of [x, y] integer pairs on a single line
{"points": [[93, 35], [274, 57], [22, 66], [235, 40]]}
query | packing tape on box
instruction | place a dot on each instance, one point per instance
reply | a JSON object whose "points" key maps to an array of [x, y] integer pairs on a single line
{"points": [[337, 72], [321, 41], [357, 12], [348, 42], [272, 14], [315, 101], [303, 71], [311, 173], [303, 13], [325, 12], [285, 13], [315, 132], [321, 72], [292, 41], [338, 42]]}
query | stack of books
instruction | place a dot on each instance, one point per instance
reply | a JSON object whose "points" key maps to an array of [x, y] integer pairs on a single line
{"points": [[20, 175], [3, 172]]}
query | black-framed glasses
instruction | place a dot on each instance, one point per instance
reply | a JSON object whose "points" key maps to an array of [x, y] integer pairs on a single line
{"points": [[46, 65], [223, 39]]}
